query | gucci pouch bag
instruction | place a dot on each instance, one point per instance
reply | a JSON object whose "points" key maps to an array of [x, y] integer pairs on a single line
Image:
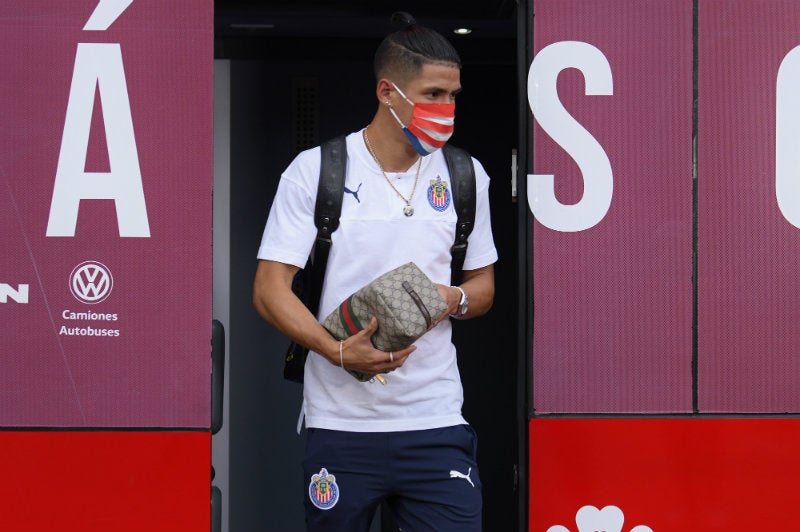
{"points": [[405, 302]]}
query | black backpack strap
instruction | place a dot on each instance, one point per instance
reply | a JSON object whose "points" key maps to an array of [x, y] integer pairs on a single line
{"points": [[333, 166], [462, 184], [307, 283]]}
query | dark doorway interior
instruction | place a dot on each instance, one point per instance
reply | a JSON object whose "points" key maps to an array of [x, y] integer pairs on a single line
{"points": [[301, 73]]}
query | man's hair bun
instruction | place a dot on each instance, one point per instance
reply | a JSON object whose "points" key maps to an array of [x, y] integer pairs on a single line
{"points": [[402, 54], [402, 20]]}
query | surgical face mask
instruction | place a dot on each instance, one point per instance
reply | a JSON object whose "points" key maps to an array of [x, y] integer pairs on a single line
{"points": [[431, 125]]}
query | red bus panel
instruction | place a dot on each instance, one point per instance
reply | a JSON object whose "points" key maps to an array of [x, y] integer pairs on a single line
{"points": [[612, 251], [105, 204], [749, 239], [736, 475], [103, 481]]}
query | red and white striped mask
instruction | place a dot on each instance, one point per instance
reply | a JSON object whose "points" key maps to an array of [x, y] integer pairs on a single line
{"points": [[431, 125]]}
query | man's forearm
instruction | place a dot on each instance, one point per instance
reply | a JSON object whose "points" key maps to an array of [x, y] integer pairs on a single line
{"points": [[479, 286], [274, 300]]}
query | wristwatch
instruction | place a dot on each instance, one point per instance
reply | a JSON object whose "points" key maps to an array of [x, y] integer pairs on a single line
{"points": [[463, 304]]}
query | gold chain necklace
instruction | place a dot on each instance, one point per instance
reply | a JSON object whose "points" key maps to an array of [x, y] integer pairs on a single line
{"points": [[408, 210]]}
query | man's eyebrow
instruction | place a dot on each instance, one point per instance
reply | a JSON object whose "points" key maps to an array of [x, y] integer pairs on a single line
{"points": [[441, 89]]}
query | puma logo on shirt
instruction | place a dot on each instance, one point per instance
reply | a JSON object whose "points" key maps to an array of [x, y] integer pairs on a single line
{"points": [[354, 192]]}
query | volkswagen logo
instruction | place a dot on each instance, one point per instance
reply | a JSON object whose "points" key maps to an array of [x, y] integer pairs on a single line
{"points": [[91, 282]]}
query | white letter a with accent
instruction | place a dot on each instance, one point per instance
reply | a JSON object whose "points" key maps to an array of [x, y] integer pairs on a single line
{"points": [[98, 66]]}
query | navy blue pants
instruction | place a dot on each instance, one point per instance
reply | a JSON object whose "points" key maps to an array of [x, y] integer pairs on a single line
{"points": [[428, 478]]}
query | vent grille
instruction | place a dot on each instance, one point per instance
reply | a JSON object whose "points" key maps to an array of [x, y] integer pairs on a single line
{"points": [[305, 113]]}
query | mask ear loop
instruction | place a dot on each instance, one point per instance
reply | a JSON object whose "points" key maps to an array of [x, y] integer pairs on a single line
{"points": [[394, 114], [402, 94], [391, 107]]}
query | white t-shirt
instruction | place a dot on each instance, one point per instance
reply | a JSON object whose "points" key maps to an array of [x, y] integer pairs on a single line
{"points": [[374, 236]]}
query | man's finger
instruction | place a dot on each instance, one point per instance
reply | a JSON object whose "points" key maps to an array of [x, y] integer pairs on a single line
{"points": [[370, 329], [401, 356]]}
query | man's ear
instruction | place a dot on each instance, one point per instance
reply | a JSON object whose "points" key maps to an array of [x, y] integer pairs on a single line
{"points": [[384, 90]]}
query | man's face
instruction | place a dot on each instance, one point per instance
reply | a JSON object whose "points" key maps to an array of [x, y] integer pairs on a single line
{"points": [[437, 83]]}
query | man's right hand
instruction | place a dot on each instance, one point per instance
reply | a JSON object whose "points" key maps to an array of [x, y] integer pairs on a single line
{"points": [[359, 354]]}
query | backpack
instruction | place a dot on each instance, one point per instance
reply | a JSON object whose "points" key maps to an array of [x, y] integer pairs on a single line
{"points": [[307, 284]]}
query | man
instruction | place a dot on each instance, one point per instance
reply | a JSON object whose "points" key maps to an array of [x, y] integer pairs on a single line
{"points": [[404, 441]]}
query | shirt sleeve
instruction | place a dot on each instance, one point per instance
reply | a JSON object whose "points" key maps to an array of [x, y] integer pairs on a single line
{"points": [[290, 231], [480, 248]]}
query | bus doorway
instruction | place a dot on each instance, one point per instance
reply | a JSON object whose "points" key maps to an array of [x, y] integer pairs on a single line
{"points": [[294, 74]]}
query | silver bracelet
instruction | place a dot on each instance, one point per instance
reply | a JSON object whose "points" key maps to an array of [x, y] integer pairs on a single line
{"points": [[341, 354]]}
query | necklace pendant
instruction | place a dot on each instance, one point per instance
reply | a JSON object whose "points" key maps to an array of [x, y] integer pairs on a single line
{"points": [[408, 210]]}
